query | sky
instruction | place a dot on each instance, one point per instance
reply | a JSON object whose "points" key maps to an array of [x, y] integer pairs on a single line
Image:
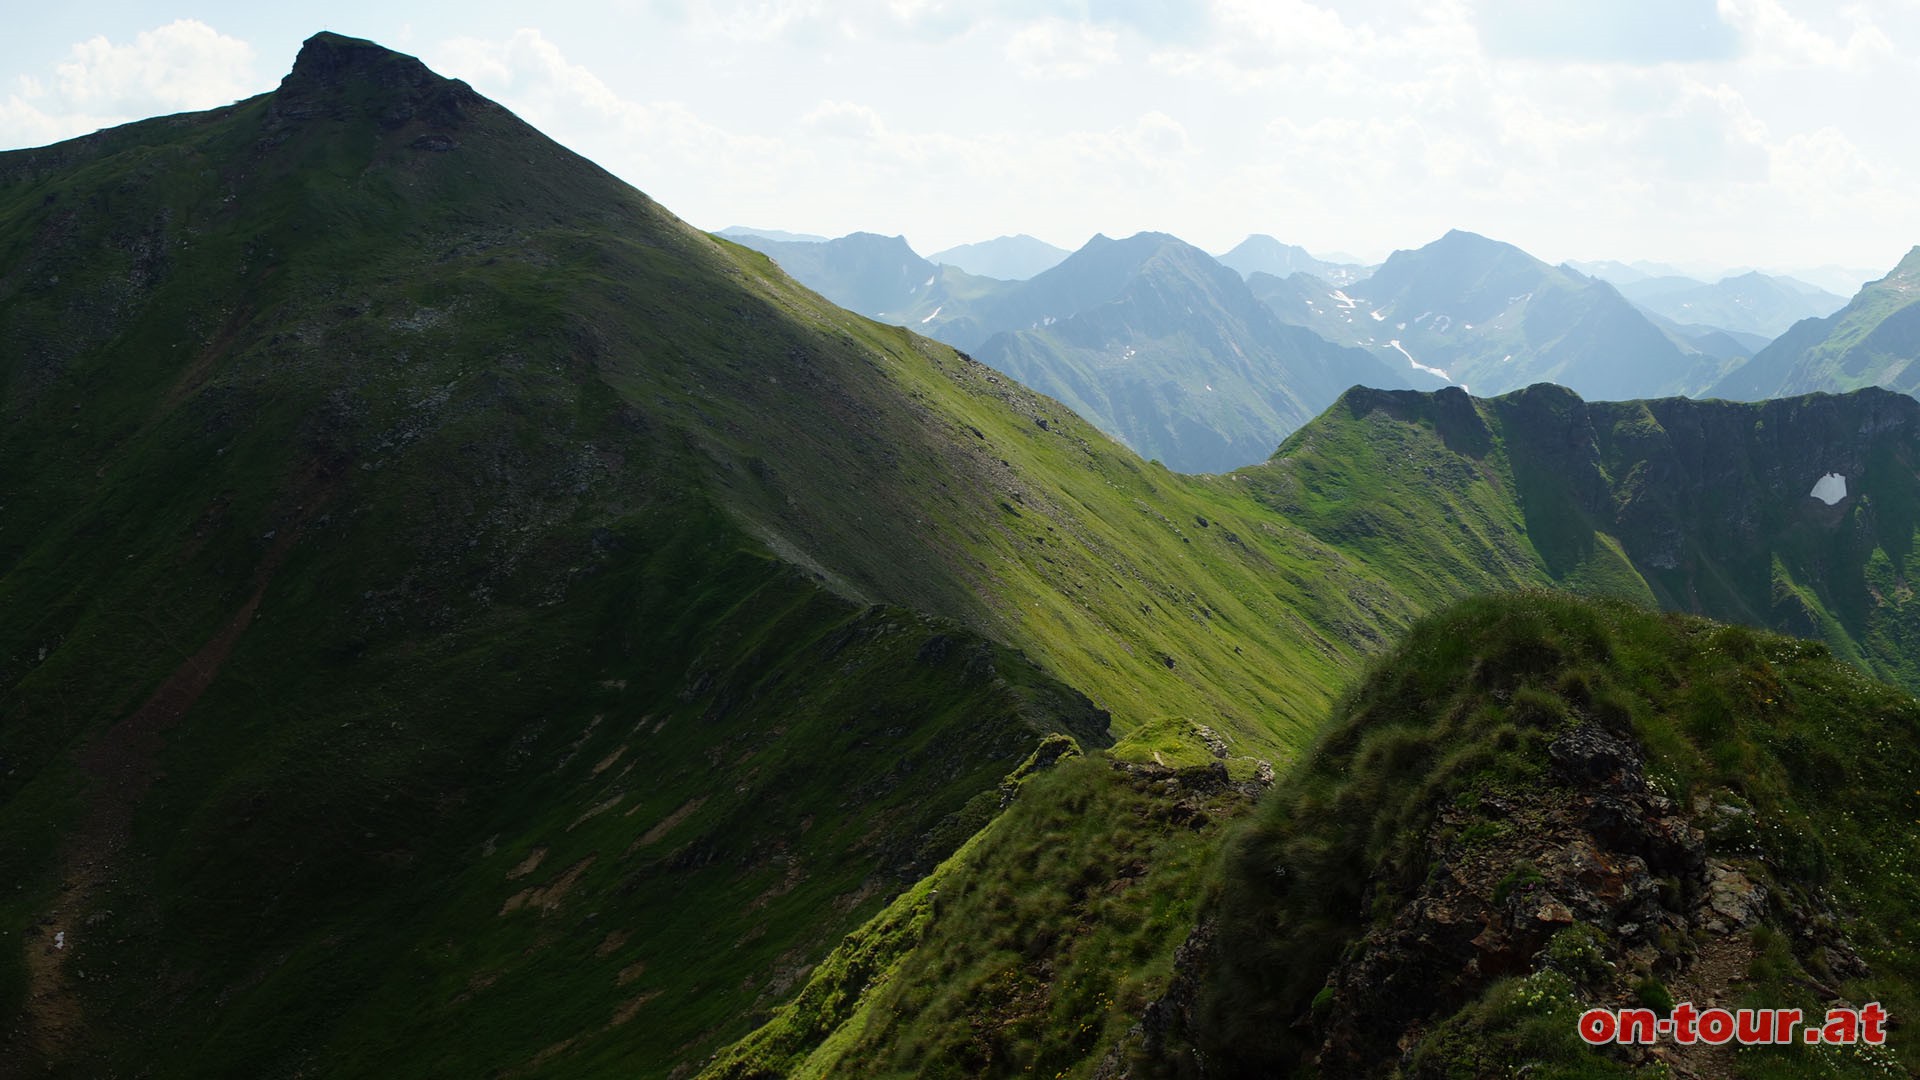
{"points": [[1703, 133]]}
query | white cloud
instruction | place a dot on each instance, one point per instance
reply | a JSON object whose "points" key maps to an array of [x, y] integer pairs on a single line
{"points": [[851, 164], [1833, 177], [1385, 121], [844, 120], [182, 66], [648, 143], [1775, 38], [1057, 49], [1287, 28], [1707, 135]]}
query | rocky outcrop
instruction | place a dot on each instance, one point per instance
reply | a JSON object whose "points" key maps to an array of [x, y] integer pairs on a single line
{"points": [[1504, 878], [338, 77], [1599, 857]]}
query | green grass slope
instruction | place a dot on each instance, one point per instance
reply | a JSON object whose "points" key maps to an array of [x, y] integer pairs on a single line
{"points": [[372, 666], [1030, 952]]}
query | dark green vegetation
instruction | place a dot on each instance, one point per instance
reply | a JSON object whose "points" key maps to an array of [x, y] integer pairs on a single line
{"points": [[337, 530], [360, 443], [1534, 805], [441, 592], [1032, 952], [1698, 506], [1873, 341], [1523, 488]]}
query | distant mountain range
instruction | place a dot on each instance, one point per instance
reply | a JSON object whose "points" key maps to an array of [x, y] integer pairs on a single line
{"points": [[875, 275], [1873, 341], [1260, 254], [1487, 315], [742, 232], [1838, 280], [1203, 386], [1149, 337], [1175, 356], [1009, 258], [1751, 303]]}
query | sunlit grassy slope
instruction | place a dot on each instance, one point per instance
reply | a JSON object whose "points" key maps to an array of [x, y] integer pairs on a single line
{"points": [[1440, 495]]}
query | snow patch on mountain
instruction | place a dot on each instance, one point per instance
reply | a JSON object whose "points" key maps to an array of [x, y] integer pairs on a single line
{"points": [[1395, 344]]}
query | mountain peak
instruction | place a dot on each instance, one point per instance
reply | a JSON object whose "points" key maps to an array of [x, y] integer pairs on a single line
{"points": [[339, 77], [1461, 239], [334, 60]]}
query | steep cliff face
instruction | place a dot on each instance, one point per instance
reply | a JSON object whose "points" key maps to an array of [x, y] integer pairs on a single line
{"points": [[1800, 514]]}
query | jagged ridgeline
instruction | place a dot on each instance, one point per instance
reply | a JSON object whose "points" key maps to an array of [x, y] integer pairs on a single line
{"points": [[1535, 805], [455, 618]]}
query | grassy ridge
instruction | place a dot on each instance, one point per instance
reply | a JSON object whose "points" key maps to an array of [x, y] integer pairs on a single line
{"points": [[1467, 705], [1031, 952]]}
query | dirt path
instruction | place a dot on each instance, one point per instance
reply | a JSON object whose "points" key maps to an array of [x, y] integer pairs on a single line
{"points": [[1710, 981], [122, 763]]}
